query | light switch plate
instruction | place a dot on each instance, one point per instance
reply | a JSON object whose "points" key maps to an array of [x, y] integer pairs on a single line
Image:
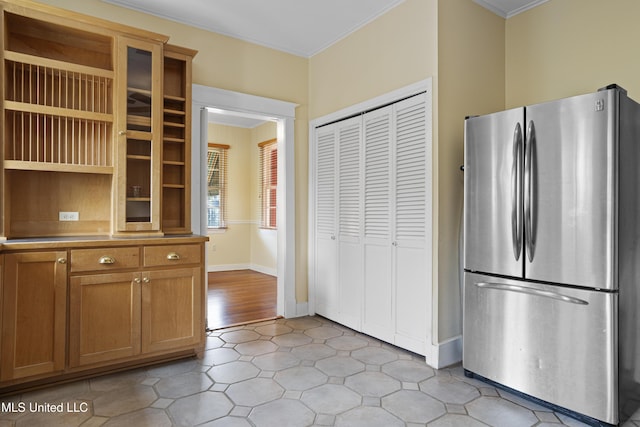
{"points": [[69, 216]]}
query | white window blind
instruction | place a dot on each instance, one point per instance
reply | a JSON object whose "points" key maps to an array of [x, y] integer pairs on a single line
{"points": [[268, 183], [217, 185]]}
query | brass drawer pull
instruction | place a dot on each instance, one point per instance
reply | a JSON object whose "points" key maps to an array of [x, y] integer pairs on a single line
{"points": [[173, 256], [107, 260], [62, 260]]}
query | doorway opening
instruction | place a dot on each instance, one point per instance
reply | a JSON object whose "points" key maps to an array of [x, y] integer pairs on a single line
{"points": [[241, 218], [208, 100]]}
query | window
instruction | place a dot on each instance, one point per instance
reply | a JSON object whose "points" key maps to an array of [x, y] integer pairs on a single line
{"points": [[268, 182], [217, 185]]}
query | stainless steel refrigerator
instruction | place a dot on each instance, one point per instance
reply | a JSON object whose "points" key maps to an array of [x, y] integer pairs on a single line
{"points": [[552, 253]]}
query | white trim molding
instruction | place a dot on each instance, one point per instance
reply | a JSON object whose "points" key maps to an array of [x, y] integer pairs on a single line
{"points": [[283, 113], [446, 353]]}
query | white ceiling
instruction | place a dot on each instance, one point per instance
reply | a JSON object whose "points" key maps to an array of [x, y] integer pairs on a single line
{"points": [[299, 27]]}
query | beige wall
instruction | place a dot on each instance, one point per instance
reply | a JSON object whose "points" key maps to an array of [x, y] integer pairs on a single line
{"points": [[231, 64], [471, 65], [397, 49], [569, 47], [242, 244]]}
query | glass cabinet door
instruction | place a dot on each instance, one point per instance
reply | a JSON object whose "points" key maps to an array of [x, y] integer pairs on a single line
{"points": [[139, 136]]}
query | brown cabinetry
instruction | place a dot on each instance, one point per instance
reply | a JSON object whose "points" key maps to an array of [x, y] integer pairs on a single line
{"points": [[176, 150], [171, 309], [95, 142], [104, 318], [137, 308], [96, 120], [139, 136], [34, 312]]}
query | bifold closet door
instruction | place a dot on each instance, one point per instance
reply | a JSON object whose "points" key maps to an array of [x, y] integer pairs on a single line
{"points": [[412, 223], [378, 296], [350, 277], [326, 286]]}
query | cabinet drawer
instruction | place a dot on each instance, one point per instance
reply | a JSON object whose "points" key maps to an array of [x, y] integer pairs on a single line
{"points": [[104, 259], [171, 255]]}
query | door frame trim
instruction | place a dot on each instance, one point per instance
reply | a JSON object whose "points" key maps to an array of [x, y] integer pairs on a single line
{"points": [[283, 113]]}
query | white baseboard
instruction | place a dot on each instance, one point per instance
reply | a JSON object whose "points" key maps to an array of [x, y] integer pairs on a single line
{"points": [[302, 309], [228, 267], [446, 353], [264, 270], [254, 267]]}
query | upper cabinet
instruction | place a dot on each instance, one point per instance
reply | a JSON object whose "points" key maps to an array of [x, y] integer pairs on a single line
{"points": [[139, 135], [95, 126], [176, 149]]}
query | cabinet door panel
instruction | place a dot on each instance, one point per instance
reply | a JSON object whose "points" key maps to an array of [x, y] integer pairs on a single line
{"points": [[139, 121], [105, 318], [171, 309], [34, 314]]}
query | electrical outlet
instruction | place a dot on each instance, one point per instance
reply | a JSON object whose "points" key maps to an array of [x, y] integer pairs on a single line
{"points": [[68, 216]]}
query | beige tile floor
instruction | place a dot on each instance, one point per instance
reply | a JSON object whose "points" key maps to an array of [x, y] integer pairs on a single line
{"points": [[299, 372]]}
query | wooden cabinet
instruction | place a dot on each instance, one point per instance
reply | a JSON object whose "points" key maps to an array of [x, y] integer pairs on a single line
{"points": [[95, 139], [143, 305], [139, 136], [95, 117], [176, 150], [171, 308], [34, 312], [104, 318]]}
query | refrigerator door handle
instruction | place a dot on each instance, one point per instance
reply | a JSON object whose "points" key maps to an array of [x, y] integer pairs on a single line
{"points": [[516, 192], [531, 291], [529, 190]]}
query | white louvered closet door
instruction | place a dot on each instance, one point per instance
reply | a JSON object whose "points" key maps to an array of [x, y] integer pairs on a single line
{"points": [[412, 223], [378, 287], [349, 139], [326, 289]]}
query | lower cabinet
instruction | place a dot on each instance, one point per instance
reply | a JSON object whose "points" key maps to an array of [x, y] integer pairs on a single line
{"points": [[171, 309], [70, 310], [121, 315], [34, 314], [104, 318]]}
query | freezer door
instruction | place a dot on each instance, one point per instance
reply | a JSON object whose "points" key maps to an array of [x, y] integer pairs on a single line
{"points": [[555, 343], [493, 153], [570, 191]]}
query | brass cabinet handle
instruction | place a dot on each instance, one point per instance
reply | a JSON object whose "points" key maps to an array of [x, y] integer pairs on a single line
{"points": [[122, 132], [62, 260], [107, 260], [173, 256], [137, 280], [145, 280]]}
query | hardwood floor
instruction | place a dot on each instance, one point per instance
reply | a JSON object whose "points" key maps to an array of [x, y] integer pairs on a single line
{"points": [[239, 297]]}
